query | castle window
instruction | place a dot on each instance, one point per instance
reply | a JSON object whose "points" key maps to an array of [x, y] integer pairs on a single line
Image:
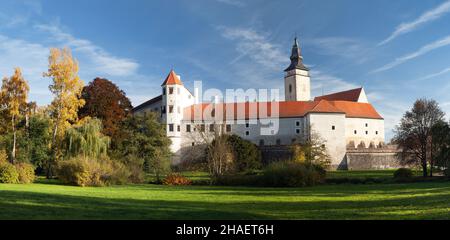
{"points": [[367, 132], [278, 142], [188, 128], [171, 90], [164, 91], [193, 143], [376, 132], [163, 109], [261, 142], [356, 132], [367, 125], [297, 131], [297, 123], [290, 88], [247, 125], [179, 128], [228, 128], [170, 127], [247, 133], [333, 128], [211, 127], [170, 108]]}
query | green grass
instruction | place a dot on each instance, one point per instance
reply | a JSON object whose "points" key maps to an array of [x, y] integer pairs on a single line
{"points": [[47, 200]]}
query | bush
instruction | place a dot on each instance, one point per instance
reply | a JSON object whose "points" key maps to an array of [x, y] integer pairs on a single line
{"points": [[3, 157], [293, 174], [176, 179], [246, 154], [403, 174], [93, 172], [8, 173], [26, 172], [447, 172]]}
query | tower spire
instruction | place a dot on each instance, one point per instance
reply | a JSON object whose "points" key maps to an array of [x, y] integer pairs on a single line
{"points": [[296, 57]]}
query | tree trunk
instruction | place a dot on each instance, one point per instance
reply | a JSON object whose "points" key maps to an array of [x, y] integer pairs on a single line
{"points": [[425, 169], [431, 157], [13, 154], [52, 161]]}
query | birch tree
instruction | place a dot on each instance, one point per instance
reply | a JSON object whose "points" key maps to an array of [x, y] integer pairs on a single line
{"points": [[14, 95], [66, 89]]}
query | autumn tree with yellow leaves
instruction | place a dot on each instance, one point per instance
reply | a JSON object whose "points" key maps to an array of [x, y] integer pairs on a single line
{"points": [[66, 88], [14, 96]]}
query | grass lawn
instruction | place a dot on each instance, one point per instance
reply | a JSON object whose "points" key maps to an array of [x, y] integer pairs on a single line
{"points": [[47, 200], [384, 174]]}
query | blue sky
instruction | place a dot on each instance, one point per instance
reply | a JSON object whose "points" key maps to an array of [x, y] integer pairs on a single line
{"points": [[398, 50]]}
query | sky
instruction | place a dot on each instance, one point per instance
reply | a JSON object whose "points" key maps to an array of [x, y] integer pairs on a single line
{"points": [[397, 50]]}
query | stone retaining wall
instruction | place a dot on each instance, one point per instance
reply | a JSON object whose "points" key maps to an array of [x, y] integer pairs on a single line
{"points": [[384, 157]]}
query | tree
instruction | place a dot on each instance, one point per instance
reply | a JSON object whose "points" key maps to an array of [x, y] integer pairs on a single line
{"points": [[219, 153], [66, 88], [414, 134], [86, 139], [145, 138], [440, 146], [38, 141], [246, 155], [311, 151], [14, 94], [105, 101]]}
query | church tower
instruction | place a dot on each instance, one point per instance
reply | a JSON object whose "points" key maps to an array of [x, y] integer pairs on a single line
{"points": [[297, 83]]}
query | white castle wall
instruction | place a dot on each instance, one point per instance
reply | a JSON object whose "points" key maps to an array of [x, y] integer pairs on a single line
{"points": [[367, 131], [330, 127]]}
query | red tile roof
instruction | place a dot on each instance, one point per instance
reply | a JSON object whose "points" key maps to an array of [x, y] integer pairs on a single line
{"points": [[357, 110], [350, 95], [172, 79], [290, 109]]}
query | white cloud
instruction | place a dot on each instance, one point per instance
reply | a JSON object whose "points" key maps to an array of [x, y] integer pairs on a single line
{"points": [[447, 70], [236, 3], [423, 50], [252, 44], [347, 48], [102, 61], [325, 83], [32, 59], [426, 17]]}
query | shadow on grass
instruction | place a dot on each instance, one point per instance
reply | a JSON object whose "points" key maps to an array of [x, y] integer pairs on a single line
{"points": [[241, 203]]}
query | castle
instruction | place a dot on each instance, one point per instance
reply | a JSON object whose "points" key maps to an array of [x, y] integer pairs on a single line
{"points": [[344, 120]]}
